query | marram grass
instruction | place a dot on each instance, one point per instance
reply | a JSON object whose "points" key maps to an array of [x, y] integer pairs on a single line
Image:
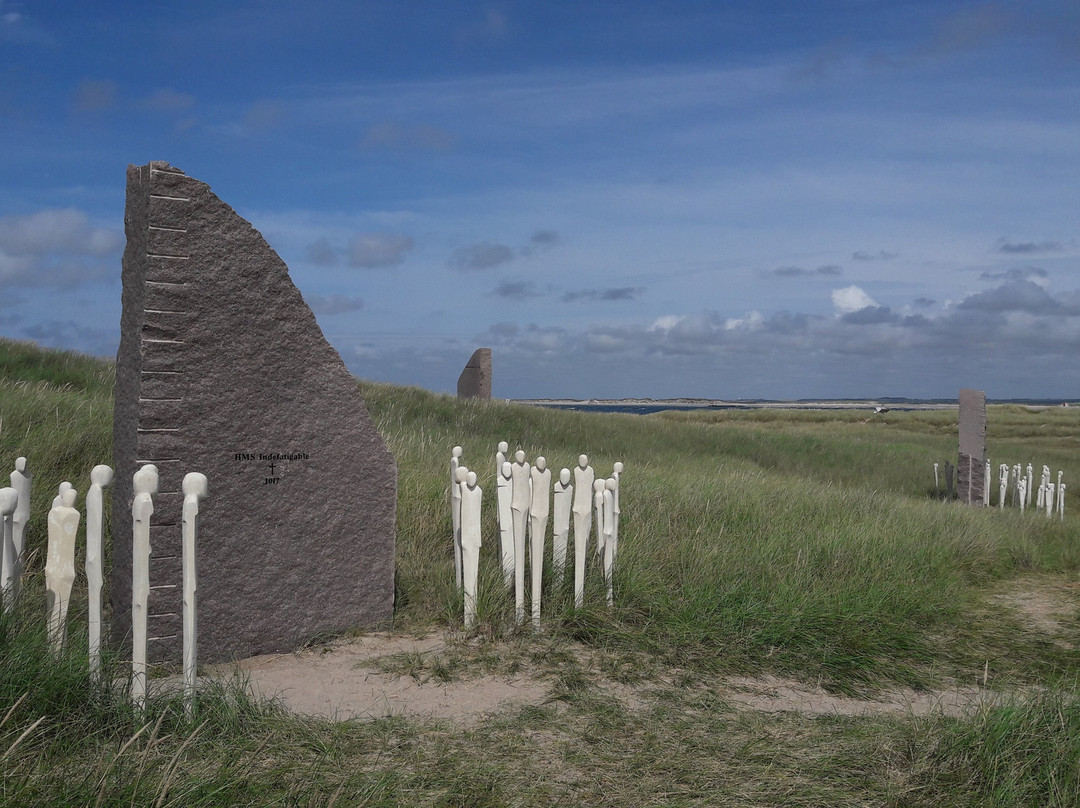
{"points": [[808, 545]]}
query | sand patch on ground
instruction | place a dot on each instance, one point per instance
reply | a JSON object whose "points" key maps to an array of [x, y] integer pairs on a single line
{"points": [[337, 682], [349, 680], [773, 694]]}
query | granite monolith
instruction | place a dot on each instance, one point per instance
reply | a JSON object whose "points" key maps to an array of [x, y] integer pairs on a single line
{"points": [[475, 379], [971, 463], [222, 368]]}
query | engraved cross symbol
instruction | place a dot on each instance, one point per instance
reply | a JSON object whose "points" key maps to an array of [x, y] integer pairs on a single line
{"points": [[271, 469]]}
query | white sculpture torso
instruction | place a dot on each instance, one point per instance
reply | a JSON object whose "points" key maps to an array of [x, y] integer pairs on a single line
{"points": [[471, 508], [100, 478], [63, 524]]}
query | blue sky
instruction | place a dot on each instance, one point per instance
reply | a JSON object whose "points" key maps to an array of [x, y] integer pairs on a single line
{"points": [[844, 198]]}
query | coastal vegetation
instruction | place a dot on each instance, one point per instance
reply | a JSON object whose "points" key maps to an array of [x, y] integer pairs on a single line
{"points": [[809, 551]]}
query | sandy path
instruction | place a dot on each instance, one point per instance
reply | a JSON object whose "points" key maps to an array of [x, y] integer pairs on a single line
{"points": [[340, 681]]}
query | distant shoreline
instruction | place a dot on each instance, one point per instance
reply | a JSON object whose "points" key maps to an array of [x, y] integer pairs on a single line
{"points": [[657, 405]]}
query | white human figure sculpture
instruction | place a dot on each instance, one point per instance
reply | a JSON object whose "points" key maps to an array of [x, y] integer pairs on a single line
{"points": [[100, 478], [21, 481], [505, 491], [564, 494], [1049, 499], [582, 509], [501, 456], [599, 487], [520, 500], [145, 484], [610, 486], [539, 511], [195, 489], [1023, 493], [58, 500], [1060, 475], [460, 474], [1040, 500], [1061, 500], [455, 510], [986, 485], [9, 500], [616, 475], [1030, 483], [471, 499], [937, 480], [1003, 484], [60, 567]]}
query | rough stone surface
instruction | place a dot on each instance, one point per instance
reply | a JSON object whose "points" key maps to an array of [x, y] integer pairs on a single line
{"points": [[971, 463], [223, 370], [475, 379]]}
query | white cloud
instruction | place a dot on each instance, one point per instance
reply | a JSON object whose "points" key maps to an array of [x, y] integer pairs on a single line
{"points": [[371, 250], [56, 231], [851, 298]]}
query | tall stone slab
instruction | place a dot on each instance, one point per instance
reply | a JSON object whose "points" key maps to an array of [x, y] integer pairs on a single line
{"points": [[223, 370], [971, 465], [475, 379]]}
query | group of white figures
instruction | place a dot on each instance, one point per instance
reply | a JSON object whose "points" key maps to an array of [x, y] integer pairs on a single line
{"points": [[63, 525], [1049, 496], [524, 497]]}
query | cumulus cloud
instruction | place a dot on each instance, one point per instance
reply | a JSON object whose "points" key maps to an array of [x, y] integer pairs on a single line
{"points": [[924, 302], [1035, 274], [880, 255], [828, 271], [851, 298], [1028, 247], [408, 137], [1017, 295], [485, 255], [491, 254], [334, 304], [540, 241], [94, 95], [321, 253], [374, 250], [613, 294], [59, 231], [56, 247], [516, 290]]}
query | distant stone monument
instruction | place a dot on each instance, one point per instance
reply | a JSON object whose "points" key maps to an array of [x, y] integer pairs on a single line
{"points": [[223, 369], [475, 379], [971, 465]]}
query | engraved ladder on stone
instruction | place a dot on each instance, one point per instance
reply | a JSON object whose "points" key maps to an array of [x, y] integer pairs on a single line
{"points": [[162, 387]]}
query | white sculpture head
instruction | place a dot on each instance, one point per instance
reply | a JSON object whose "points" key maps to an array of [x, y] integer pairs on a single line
{"points": [[504, 447], [64, 486], [583, 460], [461, 473], [145, 480], [470, 480], [519, 456], [101, 475], [609, 484], [598, 486], [20, 464], [195, 484], [618, 467], [507, 470], [456, 451], [541, 462], [9, 498], [67, 497], [564, 476]]}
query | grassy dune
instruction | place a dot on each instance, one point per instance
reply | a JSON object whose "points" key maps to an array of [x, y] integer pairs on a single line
{"points": [[804, 545]]}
